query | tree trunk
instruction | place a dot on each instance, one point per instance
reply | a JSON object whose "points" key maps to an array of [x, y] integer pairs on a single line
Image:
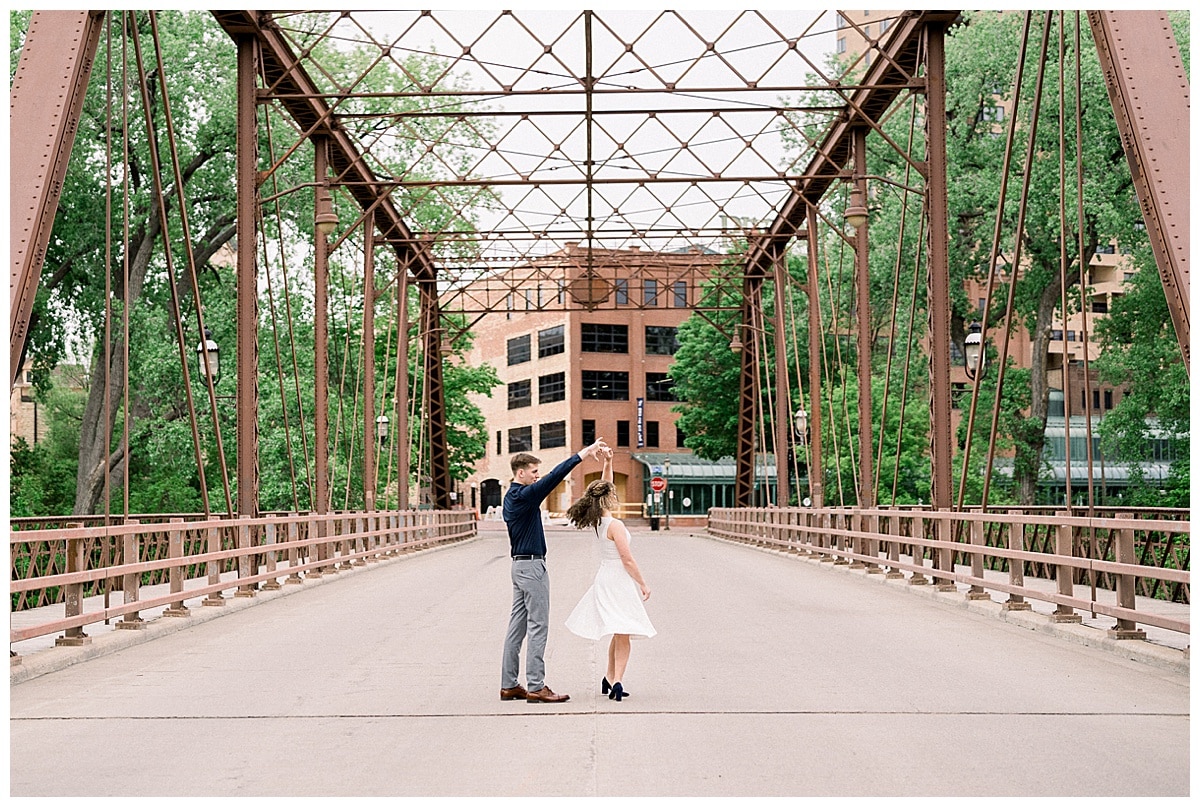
{"points": [[1026, 473], [93, 449]]}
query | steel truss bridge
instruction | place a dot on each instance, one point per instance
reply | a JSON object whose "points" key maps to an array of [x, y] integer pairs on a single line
{"points": [[558, 124]]}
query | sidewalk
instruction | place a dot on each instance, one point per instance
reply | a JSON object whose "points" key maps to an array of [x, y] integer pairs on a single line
{"points": [[769, 676]]}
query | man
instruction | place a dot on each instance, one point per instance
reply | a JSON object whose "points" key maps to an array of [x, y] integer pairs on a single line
{"points": [[531, 582]]}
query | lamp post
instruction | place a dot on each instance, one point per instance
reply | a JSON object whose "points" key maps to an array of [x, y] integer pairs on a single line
{"points": [[975, 360], [208, 357], [801, 424], [668, 491], [381, 428], [325, 218], [856, 212]]}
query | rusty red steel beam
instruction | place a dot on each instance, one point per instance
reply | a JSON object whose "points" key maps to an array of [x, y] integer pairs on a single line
{"points": [[307, 105], [886, 78], [1150, 94], [44, 106]]}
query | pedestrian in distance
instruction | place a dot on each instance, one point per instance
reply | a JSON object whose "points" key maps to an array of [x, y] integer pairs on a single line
{"points": [[530, 617], [615, 604]]}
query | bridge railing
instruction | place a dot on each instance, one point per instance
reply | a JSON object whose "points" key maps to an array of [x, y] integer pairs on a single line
{"points": [[70, 564], [1147, 556]]}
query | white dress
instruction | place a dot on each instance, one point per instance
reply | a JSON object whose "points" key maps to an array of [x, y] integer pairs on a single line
{"points": [[614, 602]]}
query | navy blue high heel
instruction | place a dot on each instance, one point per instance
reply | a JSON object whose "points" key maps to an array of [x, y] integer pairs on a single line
{"points": [[605, 687], [617, 693]]}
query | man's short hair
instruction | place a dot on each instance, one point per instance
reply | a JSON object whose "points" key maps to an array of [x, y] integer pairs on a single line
{"points": [[523, 461]]}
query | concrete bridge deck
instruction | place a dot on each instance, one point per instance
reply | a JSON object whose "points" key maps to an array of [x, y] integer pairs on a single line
{"points": [[770, 676]]}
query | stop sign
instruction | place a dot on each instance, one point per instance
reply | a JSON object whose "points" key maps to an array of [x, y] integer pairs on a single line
{"points": [[658, 484]]}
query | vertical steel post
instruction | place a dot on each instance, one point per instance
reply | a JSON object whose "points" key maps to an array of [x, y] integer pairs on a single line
{"points": [[816, 472], [369, 365], [1016, 568], [439, 460], [783, 405], [320, 357], [748, 407], [247, 279], [862, 287], [939, 291], [1064, 575], [401, 438]]}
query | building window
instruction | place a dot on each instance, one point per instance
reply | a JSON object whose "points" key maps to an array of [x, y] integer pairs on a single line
{"points": [[1056, 334], [588, 432], [1106, 249], [597, 338], [518, 350], [1095, 400], [520, 439], [499, 444], [884, 24], [649, 291], [839, 22], [553, 435], [651, 434], [552, 388], [1099, 306], [1108, 399], [680, 437], [993, 114], [660, 387], [520, 394], [661, 340], [1070, 336], [604, 385], [680, 298], [841, 44], [622, 287], [622, 434], [550, 341]]}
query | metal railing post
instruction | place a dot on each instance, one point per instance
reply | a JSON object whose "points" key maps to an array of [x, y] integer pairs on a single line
{"points": [[916, 530], [130, 583], [942, 531], [212, 545], [175, 553], [73, 593], [293, 552], [894, 529], [1016, 568], [976, 591], [1125, 552], [272, 555], [1064, 575], [244, 564]]}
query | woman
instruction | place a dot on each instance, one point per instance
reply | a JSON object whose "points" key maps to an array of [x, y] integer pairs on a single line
{"points": [[614, 603]]}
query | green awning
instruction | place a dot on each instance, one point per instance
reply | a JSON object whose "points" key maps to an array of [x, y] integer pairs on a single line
{"points": [[687, 468]]}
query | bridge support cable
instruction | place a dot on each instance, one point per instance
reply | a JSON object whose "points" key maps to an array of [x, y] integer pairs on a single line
{"points": [[1150, 95], [1026, 177], [368, 365], [160, 204], [748, 388], [1005, 170]]}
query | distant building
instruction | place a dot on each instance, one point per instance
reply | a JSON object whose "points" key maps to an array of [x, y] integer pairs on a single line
{"points": [[596, 370]]}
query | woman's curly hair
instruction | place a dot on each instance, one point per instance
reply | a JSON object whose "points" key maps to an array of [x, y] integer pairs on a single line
{"points": [[588, 509]]}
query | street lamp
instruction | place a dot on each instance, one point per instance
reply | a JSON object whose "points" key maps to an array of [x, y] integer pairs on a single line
{"points": [[667, 503], [802, 427], [976, 363], [381, 428], [210, 350], [326, 219], [856, 213]]}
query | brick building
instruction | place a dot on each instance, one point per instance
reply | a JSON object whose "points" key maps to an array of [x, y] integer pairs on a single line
{"points": [[583, 352]]}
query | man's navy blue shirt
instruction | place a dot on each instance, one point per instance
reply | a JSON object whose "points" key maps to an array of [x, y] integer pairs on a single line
{"points": [[523, 509]]}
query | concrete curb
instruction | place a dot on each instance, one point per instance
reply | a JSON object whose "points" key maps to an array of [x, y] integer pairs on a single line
{"points": [[34, 665], [1159, 656]]}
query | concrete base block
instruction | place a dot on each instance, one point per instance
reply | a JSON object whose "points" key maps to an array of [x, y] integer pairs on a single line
{"points": [[72, 641], [213, 599], [181, 610], [130, 624], [1120, 633], [1017, 606]]}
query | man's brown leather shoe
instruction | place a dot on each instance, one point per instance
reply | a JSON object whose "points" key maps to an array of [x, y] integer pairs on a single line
{"points": [[545, 695], [515, 694]]}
